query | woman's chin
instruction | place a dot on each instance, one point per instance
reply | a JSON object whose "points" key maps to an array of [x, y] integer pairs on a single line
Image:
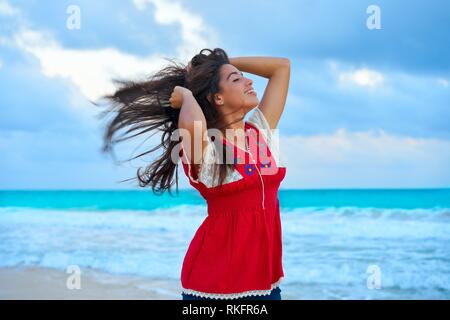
{"points": [[251, 106], [253, 102]]}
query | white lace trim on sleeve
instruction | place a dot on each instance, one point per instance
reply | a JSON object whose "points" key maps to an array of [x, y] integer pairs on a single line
{"points": [[207, 174], [272, 138]]}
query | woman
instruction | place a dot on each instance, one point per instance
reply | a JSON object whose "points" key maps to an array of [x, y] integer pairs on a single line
{"points": [[236, 253]]}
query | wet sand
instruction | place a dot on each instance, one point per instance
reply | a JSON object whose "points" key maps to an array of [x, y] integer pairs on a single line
{"points": [[44, 283]]}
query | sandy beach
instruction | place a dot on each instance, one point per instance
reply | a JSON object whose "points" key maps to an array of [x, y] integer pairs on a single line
{"points": [[44, 283]]}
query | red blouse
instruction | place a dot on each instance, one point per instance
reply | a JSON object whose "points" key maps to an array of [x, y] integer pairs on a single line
{"points": [[237, 250]]}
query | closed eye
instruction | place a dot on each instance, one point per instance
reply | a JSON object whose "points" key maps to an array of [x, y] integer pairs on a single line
{"points": [[237, 79]]}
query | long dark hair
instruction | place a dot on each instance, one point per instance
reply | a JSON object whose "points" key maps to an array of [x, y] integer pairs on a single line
{"points": [[144, 106]]}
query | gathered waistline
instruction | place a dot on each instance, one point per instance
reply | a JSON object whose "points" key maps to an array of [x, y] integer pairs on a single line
{"points": [[235, 201], [233, 295]]}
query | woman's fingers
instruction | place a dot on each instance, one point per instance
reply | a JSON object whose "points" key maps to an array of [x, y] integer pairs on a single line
{"points": [[174, 101]]}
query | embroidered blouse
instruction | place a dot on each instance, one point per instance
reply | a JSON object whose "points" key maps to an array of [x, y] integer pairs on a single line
{"points": [[237, 250]]}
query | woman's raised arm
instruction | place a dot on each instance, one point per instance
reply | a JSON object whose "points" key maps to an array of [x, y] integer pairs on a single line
{"points": [[193, 121], [277, 70]]}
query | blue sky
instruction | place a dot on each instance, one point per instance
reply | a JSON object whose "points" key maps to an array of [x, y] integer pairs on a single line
{"points": [[366, 108]]}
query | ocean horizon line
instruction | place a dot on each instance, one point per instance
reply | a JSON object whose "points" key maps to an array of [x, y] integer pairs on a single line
{"points": [[281, 189]]}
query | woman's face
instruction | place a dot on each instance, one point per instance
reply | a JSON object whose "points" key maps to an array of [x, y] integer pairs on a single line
{"points": [[236, 91]]}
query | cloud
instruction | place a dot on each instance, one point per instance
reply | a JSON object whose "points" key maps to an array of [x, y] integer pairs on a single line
{"points": [[411, 107], [195, 33], [50, 157], [406, 104], [342, 159], [90, 70], [362, 77], [372, 158], [411, 42], [443, 82], [7, 9]]}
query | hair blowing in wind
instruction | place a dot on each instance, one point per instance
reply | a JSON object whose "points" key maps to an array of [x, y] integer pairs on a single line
{"points": [[142, 108]]}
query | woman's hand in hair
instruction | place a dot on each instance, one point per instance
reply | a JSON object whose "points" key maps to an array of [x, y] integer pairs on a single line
{"points": [[178, 95]]}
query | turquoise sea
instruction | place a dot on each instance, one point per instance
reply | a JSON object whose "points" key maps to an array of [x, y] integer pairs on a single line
{"points": [[337, 244]]}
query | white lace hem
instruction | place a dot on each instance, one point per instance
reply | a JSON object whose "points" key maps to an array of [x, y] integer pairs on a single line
{"points": [[232, 295]]}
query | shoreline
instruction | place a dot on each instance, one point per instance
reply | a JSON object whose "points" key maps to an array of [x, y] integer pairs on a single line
{"points": [[32, 283]]}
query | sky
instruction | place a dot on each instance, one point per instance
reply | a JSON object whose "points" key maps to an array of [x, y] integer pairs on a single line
{"points": [[367, 107]]}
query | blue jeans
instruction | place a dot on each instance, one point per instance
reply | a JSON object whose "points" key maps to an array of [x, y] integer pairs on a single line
{"points": [[275, 294]]}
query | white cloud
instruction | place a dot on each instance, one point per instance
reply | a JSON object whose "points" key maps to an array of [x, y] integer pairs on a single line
{"points": [[6, 9], [369, 159], [90, 70], [195, 33], [362, 77], [443, 82]]}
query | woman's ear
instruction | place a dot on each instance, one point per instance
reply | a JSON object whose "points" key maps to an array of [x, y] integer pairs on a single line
{"points": [[217, 100]]}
